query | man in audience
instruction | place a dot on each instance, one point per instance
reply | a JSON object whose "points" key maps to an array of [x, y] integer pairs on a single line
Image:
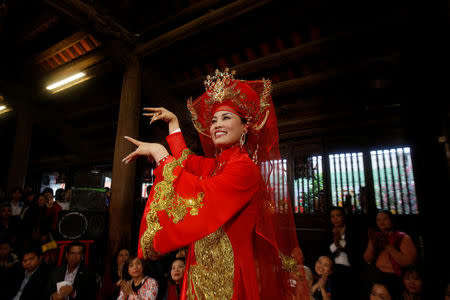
{"points": [[73, 280], [9, 266], [30, 283]]}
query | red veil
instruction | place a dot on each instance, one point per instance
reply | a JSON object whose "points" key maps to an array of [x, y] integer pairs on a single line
{"points": [[278, 258]]}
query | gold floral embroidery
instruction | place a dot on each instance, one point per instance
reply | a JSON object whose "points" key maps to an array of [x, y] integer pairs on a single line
{"points": [[212, 276], [289, 264], [167, 199]]}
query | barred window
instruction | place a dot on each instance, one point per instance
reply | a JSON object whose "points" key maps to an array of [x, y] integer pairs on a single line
{"points": [[394, 180], [347, 177], [308, 184], [277, 172]]}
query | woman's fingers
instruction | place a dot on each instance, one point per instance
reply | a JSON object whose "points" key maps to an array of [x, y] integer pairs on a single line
{"points": [[130, 157], [136, 142]]}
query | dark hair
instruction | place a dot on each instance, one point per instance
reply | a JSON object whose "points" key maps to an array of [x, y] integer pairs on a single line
{"points": [[339, 208], [32, 249], [73, 244], [413, 269], [114, 265], [59, 194], [127, 264], [48, 190], [392, 288], [175, 259]]}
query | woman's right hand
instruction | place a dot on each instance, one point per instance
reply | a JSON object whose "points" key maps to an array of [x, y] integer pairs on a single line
{"points": [[160, 113], [151, 150]]}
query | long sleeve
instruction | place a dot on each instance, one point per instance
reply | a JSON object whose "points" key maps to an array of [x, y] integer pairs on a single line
{"points": [[184, 207], [194, 164]]}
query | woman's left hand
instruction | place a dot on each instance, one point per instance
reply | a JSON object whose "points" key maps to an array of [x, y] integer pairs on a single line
{"points": [[152, 150]]}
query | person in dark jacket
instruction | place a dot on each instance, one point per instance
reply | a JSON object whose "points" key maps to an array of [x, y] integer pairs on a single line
{"points": [[73, 280], [30, 282]]}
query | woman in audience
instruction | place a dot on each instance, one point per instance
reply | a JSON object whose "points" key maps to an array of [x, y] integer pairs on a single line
{"points": [[321, 288], [176, 276], [412, 283], [390, 250], [35, 224], [140, 286], [343, 249], [112, 280]]}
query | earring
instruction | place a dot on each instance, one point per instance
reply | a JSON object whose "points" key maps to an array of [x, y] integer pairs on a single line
{"points": [[242, 140]]}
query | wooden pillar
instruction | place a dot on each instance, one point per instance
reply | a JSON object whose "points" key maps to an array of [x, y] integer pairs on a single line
{"points": [[124, 175], [21, 148]]}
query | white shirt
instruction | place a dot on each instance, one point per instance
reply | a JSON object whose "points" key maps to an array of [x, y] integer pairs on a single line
{"points": [[70, 277], [341, 258]]}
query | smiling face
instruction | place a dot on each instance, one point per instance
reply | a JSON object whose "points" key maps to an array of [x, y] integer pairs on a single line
{"points": [[177, 271], [323, 266], [226, 129]]}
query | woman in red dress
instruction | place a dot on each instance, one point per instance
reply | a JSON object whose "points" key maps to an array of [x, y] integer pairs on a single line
{"points": [[231, 206]]}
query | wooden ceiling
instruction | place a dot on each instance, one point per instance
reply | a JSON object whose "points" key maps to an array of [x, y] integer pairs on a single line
{"points": [[338, 69]]}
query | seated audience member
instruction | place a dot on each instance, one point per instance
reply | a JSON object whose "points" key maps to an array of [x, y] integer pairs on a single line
{"points": [[60, 197], [412, 283], [343, 249], [112, 279], [9, 227], [16, 202], [30, 282], [28, 199], [73, 280], [53, 208], [7, 258], [9, 266], [380, 291], [321, 288], [140, 286], [176, 276], [390, 251], [35, 223]]}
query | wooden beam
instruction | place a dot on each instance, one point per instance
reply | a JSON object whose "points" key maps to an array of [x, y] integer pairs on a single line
{"points": [[300, 84], [207, 21], [60, 46], [75, 66], [274, 60], [85, 15], [182, 15]]}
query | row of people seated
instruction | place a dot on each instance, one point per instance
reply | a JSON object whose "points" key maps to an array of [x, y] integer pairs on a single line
{"points": [[130, 277], [346, 269]]}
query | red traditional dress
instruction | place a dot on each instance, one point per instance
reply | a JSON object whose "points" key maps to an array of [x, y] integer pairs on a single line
{"points": [[220, 207]]}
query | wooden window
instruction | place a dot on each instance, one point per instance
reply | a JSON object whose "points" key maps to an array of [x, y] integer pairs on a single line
{"points": [[394, 180], [308, 184]]}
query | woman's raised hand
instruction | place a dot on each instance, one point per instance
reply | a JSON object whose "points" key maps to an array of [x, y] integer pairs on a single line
{"points": [[160, 113], [152, 150]]}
